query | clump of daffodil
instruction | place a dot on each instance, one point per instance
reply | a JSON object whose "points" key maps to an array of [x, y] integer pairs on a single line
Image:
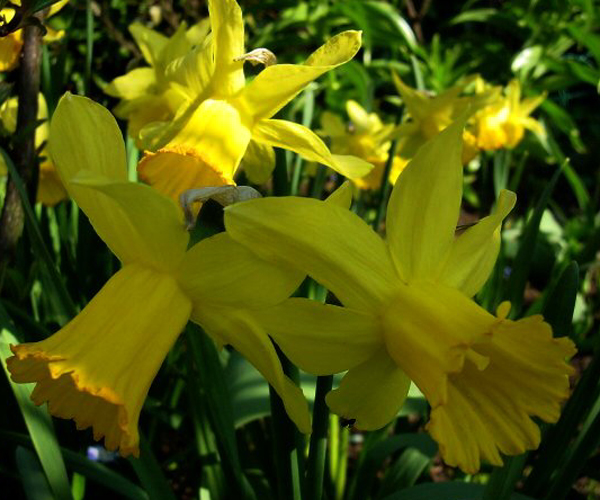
{"points": [[146, 94], [50, 189], [502, 124], [98, 368], [227, 121], [430, 114], [10, 45], [366, 137], [409, 313]]}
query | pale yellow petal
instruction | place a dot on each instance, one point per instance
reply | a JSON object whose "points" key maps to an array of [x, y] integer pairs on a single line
{"points": [[333, 245], [10, 50], [237, 328], [474, 253], [258, 162], [302, 140], [228, 44], [360, 119], [97, 369], [150, 42], [134, 84], [372, 393], [423, 209], [319, 338], [218, 271], [277, 85]]}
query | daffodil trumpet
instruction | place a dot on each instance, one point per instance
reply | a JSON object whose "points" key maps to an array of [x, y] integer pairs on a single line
{"points": [[408, 313], [98, 368]]}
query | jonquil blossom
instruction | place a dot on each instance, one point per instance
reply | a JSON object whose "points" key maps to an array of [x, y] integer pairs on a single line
{"points": [[227, 121], [409, 313], [146, 93], [98, 368]]}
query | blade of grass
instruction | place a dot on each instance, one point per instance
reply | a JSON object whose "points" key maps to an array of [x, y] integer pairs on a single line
{"points": [[150, 474], [32, 475]]}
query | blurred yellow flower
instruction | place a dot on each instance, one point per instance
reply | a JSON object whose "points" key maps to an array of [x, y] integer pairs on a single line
{"points": [[146, 93], [226, 120], [50, 189], [366, 137], [502, 124], [10, 45], [98, 368], [429, 115], [408, 311]]}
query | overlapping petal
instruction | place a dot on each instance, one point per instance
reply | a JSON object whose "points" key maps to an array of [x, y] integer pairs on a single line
{"points": [[333, 245], [321, 338]]}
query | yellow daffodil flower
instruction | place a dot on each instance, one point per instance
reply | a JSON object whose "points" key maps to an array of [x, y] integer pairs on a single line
{"points": [[10, 45], [429, 115], [50, 189], [366, 137], [227, 120], [98, 368], [146, 93], [408, 311], [503, 123]]}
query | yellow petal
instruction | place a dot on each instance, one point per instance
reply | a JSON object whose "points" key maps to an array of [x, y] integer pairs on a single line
{"points": [[134, 84], [321, 339], [148, 224], [194, 71], [333, 245], [219, 271], [234, 327], [277, 85], [10, 50], [259, 162], [219, 132], [371, 393], [97, 369], [489, 410], [173, 171], [150, 42], [474, 253], [56, 7], [302, 140], [360, 119], [342, 196], [423, 209], [50, 189], [228, 44]]}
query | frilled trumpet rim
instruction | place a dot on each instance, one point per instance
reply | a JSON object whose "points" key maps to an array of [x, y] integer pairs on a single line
{"points": [[97, 369]]}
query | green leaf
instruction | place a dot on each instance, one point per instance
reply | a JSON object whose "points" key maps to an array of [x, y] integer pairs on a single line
{"points": [[446, 491], [150, 474], [37, 420], [560, 301], [32, 475]]}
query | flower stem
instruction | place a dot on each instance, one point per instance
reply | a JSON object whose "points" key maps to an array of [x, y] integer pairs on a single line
{"points": [[315, 468]]}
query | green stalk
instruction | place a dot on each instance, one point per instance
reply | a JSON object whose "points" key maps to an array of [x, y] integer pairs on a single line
{"points": [[386, 187], [89, 45], [307, 117], [318, 440], [340, 480]]}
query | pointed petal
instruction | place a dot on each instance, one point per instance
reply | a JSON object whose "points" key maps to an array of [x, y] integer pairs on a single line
{"points": [[277, 85], [194, 70], [10, 49], [474, 253], [148, 224], [173, 171], [489, 409], [134, 84], [321, 339], [222, 272], [371, 393], [302, 140], [150, 42], [50, 190], [360, 119], [228, 44], [342, 196], [258, 162], [424, 206], [218, 132], [333, 245], [234, 327], [98, 368]]}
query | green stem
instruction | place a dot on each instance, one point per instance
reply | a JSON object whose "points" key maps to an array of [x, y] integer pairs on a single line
{"points": [[318, 440], [386, 187], [307, 117], [89, 45], [281, 181], [340, 480]]}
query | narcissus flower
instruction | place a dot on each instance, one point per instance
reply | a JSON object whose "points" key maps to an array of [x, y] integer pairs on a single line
{"points": [[10, 45], [50, 189], [146, 93], [226, 120], [502, 124], [98, 368], [429, 115], [408, 312], [366, 137]]}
